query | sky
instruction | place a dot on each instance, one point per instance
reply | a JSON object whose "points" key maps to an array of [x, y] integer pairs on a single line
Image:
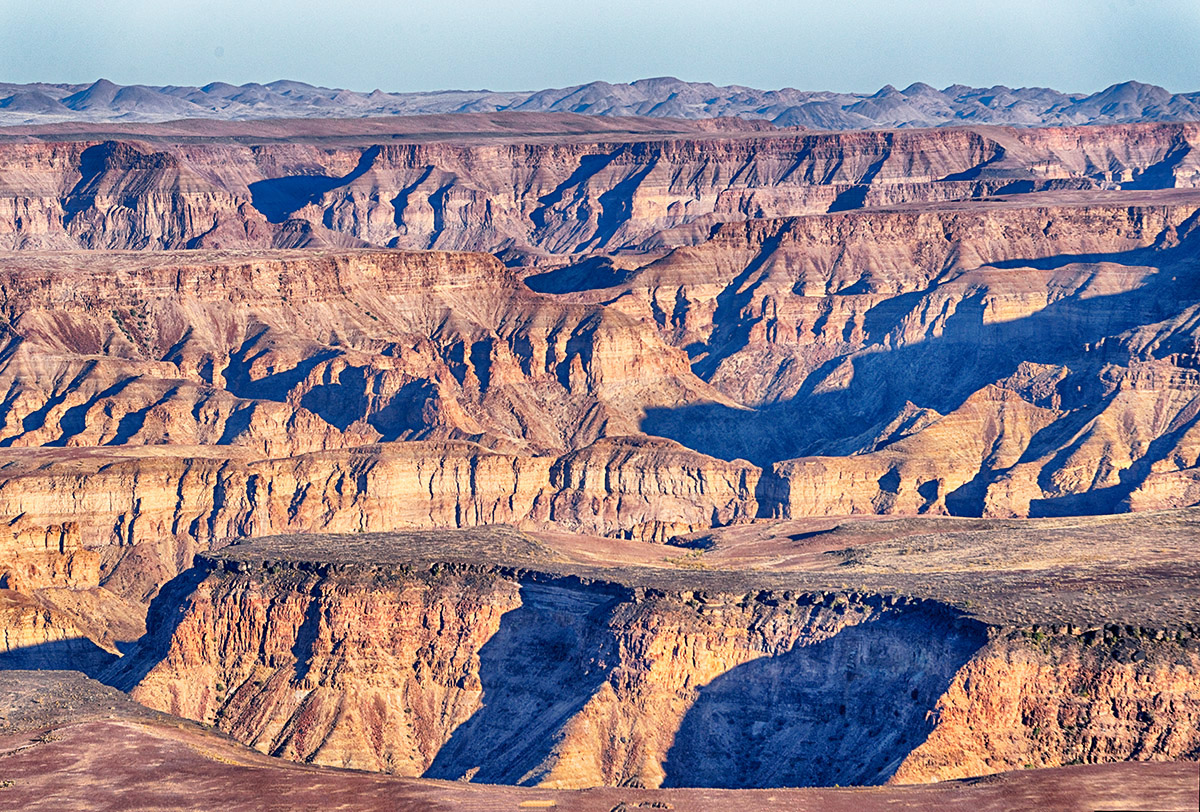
{"points": [[408, 45]]}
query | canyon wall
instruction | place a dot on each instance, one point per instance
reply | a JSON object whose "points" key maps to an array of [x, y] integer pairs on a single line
{"points": [[146, 515], [481, 673], [538, 198], [53, 611], [995, 361], [990, 361]]}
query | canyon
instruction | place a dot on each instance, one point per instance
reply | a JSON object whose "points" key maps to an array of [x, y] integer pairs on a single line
{"points": [[533, 450]]}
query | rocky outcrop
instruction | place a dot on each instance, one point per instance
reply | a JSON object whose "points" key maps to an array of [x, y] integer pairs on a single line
{"points": [[435, 675], [474, 671], [147, 515]]}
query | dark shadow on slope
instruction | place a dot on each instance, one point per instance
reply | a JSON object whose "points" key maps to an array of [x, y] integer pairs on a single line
{"points": [[74, 420], [105, 166], [278, 198], [341, 402], [968, 499], [1106, 500], [237, 423], [855, 196], [845, 710], [278, 384], [937, 373], [594, 273], [408, 413], [400, 201], [616, 208], [539, 668], [852, 198], [73, 654], [589, 165], [306, 638], [1161, 175], [730, 331], [167, 610], [37, 419], [133, 422], [346, 401]]}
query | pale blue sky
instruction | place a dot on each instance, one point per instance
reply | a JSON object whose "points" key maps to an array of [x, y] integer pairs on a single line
{"points": [[1071, 45]]}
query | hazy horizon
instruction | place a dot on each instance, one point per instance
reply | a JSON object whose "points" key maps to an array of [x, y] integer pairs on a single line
{"points": [[865, 91], [1075, 46]]}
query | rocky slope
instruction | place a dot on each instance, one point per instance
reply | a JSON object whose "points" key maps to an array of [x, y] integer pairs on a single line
{"points": [[302, 352], [71, 743], [412, 660]]}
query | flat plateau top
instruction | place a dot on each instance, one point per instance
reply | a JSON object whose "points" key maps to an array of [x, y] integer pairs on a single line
{"points": [[1138, 569], [477, 128]]}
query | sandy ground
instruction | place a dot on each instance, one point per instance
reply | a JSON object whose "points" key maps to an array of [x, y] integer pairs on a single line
{"points": [[120, 765]]}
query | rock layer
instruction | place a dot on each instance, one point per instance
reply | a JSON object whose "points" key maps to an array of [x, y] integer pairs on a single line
{"points": [[534, 198]]}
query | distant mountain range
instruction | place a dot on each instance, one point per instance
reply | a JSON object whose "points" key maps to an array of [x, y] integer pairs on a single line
{"points": [[917, 105]]}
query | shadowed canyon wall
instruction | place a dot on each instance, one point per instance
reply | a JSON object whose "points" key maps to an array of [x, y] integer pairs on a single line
{"points": [[476, 672]]}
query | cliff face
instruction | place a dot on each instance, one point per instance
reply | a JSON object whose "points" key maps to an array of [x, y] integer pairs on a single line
{"points": [[1034, 700], [558, 198], [37, 556], [53, 611], [147, 515], [478, 673]]}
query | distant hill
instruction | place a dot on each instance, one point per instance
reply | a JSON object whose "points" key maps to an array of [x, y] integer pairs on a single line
{"points": [[918, 105]]}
